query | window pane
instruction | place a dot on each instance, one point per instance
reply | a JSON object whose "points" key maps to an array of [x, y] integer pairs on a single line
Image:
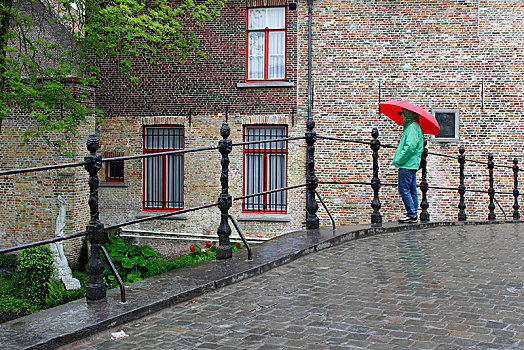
{"points": [[277, 48], [256, 56], [276, 18], [175, 184], [265, 133], [163, 175], [253, 181], [257, 19], [153, 182], [115, 170], [276, 174], [446, 122]]}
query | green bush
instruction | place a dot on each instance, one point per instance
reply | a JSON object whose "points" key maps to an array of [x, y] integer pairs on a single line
{"points": [[36, 266], [7, 261], [9, 303]]}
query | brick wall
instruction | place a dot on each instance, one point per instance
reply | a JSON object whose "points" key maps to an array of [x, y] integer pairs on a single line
{"points": [[437, 54], [28, 202], [170, 90]]}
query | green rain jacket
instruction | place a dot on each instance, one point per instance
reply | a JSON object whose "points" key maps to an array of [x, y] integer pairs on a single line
{"points": [[410, 146]]}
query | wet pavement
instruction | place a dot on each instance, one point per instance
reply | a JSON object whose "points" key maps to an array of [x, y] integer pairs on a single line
{"points": [[442, 287]]}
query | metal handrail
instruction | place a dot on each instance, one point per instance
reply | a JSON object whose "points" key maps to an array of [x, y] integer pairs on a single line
{"points": [[138, 156], [327, 210], [127, 223], [249, 253], [117, 275]]}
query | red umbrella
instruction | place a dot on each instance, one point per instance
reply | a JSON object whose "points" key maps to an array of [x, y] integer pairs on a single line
{"points": [[427, 121]]}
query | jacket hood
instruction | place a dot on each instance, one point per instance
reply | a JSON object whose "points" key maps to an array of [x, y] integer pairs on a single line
{"points": [[409, 117]]}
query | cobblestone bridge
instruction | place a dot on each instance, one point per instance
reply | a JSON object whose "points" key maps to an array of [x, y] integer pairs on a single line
{"points": [[422, 287]]}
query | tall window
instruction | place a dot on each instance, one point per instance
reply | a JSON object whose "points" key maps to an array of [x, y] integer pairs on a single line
{"points": [[265, 169], [163, 175], [266, 44]]}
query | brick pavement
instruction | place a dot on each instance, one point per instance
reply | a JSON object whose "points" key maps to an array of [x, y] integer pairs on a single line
{"points": [[439, 288]]}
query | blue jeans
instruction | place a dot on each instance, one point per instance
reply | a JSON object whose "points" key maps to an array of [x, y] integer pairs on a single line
{"points": [[407, 187]]}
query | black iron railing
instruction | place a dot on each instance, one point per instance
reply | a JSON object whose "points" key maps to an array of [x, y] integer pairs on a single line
{"points": [[260, 144]]}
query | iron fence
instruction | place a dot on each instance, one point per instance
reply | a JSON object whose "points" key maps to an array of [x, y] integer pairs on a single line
{"points": [[265, 151]]}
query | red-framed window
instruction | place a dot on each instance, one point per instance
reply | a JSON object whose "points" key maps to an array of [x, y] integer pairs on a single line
{"points": [[163, 175], [266, 44], [115, 168], [265, 169]]}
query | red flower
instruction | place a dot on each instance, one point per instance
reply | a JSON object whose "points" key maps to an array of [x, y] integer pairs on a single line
{"points": [[208, 244], [192, 248], [238, 245]]}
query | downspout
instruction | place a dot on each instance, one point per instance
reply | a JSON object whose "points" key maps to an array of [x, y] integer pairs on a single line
{"points": [[309, 83], [312, 220]]}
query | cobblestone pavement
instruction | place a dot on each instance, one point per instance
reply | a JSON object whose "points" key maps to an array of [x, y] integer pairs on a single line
{"points": [[443, 288]]}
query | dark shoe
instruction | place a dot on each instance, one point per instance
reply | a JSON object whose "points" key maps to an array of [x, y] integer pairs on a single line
{"points": [[408, 219]]}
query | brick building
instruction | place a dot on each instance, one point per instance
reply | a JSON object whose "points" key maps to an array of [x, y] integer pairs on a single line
{"points": [[463, 60], [460, 59]]}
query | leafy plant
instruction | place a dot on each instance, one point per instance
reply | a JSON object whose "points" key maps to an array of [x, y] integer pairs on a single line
{"points": [[132, 262], [33, 68], [36, 267], [56, 293]]}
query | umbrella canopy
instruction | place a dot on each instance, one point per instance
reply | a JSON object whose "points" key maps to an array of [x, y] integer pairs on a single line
{"points": [[427, 121]]}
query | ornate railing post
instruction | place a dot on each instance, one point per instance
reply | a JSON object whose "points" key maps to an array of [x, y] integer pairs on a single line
{"points": [[516, 206], [491, 190], [312, 221], [376, 217], [462, 188], [424, 205], [96, 289], [224, 250]]}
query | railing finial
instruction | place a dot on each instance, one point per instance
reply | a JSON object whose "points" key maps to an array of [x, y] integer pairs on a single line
{"points": [[516, 206], [96, 289], [312, 221], [491, 190], [462, 188], [424, 186], [225, 201], [376, 217]]}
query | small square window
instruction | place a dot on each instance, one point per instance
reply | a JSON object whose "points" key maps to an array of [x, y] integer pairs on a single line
{"points": [[448, 119], [115, 168]]}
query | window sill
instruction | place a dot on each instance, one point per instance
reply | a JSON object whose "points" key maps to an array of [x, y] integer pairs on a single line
{"points": [[113, 184], [443, 140], [267, 84], [146, 214], [264, 217]]}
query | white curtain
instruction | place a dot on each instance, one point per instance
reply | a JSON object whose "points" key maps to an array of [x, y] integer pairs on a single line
{"points": [[175, 184], [277, 51], [256, 55], [153, 182], [260, 19], [160, 192], [276, 179]]}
